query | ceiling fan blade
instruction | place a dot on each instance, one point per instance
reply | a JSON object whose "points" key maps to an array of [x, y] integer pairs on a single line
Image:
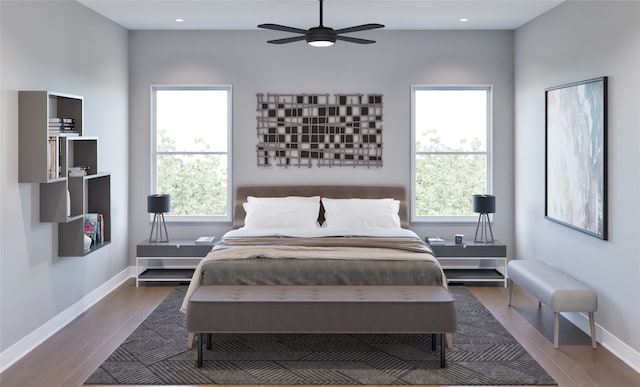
{"points": [[278, 27], [354, 40], [363, 27], [287, 40]]}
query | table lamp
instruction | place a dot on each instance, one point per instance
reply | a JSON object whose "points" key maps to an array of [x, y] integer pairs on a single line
{"points": [[158, 205], [484, 205]]}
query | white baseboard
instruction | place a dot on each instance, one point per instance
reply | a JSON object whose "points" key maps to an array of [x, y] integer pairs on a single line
{"points": [[25, 345], [616, 346]]}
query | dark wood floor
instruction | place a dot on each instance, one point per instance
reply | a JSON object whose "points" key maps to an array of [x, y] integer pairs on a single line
{"points": [[71, 355]]}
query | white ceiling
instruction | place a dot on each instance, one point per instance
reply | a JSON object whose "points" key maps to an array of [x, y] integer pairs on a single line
{"points": [[247, 14]]}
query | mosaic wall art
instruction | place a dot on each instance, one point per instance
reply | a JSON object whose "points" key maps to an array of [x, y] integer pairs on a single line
{"points": [[318, 129]]}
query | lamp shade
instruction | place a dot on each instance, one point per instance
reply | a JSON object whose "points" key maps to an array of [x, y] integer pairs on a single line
{"points": [[484, 204], [157, 204]]}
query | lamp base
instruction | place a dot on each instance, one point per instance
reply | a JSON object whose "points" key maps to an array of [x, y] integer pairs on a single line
{"points": [[482, 226], [160, 228]]}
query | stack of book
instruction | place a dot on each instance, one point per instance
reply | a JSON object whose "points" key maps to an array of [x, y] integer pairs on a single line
{"points": [[62, 127], [94, 228]]}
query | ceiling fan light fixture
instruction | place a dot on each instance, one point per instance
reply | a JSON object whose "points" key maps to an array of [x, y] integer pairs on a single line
{"points": [[321, 41]]}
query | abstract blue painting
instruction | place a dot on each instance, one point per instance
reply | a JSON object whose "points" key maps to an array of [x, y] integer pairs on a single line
{"points": [[576, 156]]}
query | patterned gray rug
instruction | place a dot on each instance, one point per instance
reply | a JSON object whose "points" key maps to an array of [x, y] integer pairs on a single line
{"points": [[484, 353]]}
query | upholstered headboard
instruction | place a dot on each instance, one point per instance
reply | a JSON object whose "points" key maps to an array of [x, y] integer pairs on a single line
{"points": [[328, 191]]}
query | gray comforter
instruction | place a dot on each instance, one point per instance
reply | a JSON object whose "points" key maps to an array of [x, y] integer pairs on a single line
{"points": [[293, 271]]}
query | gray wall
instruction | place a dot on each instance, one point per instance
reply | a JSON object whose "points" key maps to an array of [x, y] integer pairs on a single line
{"points": [[244, 60], [89, 57], [577, 41], [64, 47]]}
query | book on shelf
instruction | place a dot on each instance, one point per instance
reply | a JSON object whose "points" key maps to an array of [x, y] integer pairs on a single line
{"points": [[61, 120], [94, 227], [205, 240], [53, 159], [63, 133]]}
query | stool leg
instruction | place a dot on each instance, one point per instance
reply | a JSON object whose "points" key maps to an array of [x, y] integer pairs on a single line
{"points": [[556, 328], [209, 341], [200, 345], [510, 288], [433, 341], [592, 325]]}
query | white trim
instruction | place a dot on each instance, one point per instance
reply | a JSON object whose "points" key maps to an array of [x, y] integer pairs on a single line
{"points": [[414, 218], [28, 343], [153, 151], [617, 347]]}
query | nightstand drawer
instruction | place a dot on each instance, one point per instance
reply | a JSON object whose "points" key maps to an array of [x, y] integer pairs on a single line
{"points": [[446, 249], [176, 248]]}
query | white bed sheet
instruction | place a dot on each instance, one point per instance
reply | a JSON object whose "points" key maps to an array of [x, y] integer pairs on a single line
{"points": [[319, 232]]}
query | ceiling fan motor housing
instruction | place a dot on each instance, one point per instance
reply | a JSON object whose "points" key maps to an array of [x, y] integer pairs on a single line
{"points": [[321, 34]]}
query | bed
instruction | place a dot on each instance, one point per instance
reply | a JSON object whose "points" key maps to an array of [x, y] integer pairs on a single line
{"points": [[320, 255], [320, 236]]}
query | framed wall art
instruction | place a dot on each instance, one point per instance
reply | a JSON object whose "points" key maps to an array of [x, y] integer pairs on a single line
{"points": [[576, 156], [296, 130]]}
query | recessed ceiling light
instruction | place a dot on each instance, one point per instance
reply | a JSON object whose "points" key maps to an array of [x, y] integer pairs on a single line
{"points": [[179, 20], [463, 19]]}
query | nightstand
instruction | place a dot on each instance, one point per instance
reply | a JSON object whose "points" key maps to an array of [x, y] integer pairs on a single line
{"points": [[455, 258], [186, 252]]}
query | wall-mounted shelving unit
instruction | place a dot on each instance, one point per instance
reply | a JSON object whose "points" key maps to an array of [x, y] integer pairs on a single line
{"points": [[51, 128]]}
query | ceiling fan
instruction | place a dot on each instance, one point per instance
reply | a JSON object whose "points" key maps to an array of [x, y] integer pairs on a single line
{"points": [[321, 36]]}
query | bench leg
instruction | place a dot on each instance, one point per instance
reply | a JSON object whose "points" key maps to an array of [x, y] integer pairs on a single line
{"points": [[592, 325], [190, 337], [200, 345], [209, 341], [433, 341], [443, 357], [556, 328]]}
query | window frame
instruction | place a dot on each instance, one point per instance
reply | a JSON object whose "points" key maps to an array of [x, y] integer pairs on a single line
{"points": [[154, 152], [414, 153]]}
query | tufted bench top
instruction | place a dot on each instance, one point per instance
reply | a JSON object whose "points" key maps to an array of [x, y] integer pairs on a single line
{"points": [[559, 291], [320, 293], [321, 309]]}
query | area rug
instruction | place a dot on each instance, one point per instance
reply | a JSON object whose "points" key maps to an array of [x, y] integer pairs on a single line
{"points": [[484, 353]]}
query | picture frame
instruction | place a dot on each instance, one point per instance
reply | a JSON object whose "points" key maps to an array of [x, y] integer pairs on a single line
{"points": [[576, 156]]}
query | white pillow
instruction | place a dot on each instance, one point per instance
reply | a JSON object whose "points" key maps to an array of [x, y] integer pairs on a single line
{"points": [[278, 214], [361, 213]]}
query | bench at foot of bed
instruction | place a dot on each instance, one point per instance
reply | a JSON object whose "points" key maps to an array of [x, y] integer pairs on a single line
{"points": [[322, 309]]}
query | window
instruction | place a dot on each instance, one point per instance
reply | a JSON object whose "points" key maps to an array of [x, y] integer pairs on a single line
{"points": [[451, 140], [191, 151]]}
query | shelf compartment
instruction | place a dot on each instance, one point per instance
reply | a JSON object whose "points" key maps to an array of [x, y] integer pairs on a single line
{"points": [[89, 194], [71, 239], [473, 275], [34, 110], [164, 274]]}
